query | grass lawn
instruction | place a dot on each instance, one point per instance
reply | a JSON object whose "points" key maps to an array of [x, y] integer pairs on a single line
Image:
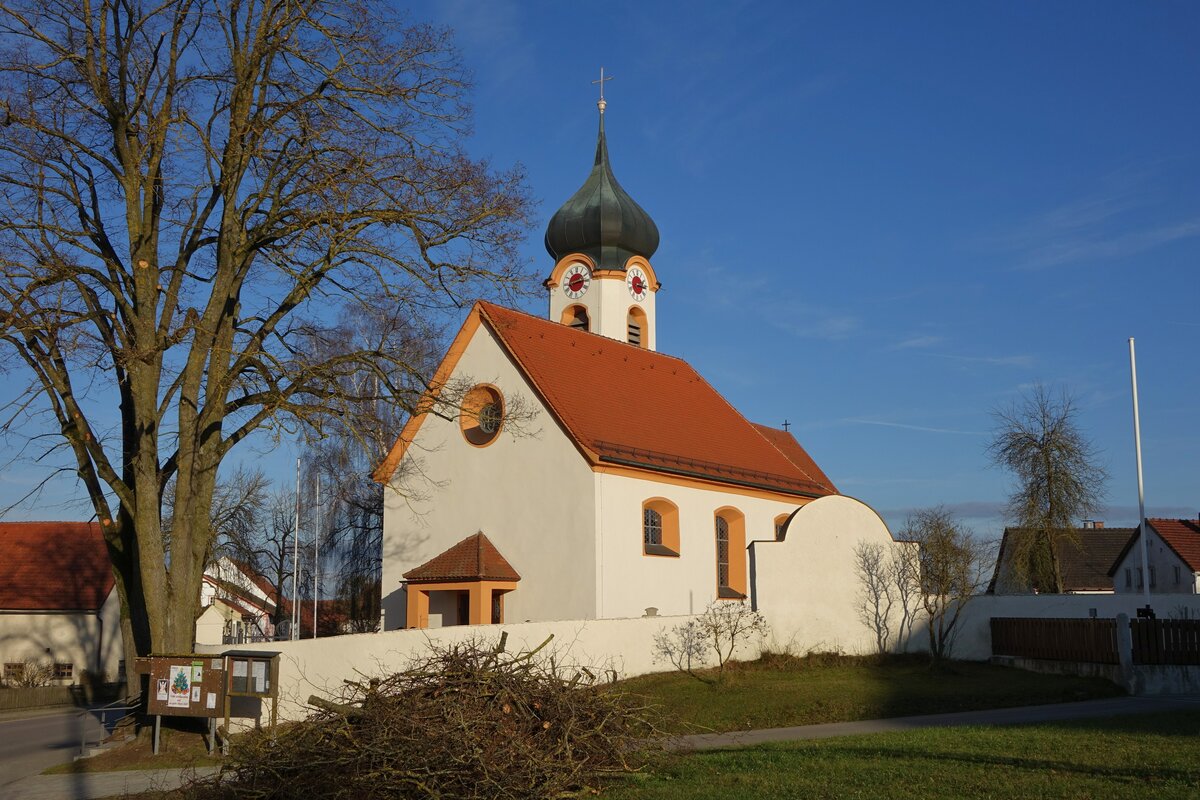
{"points": [[1145, 756], [779, 691]]}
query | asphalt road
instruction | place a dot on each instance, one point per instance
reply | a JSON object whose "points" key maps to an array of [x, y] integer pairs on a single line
{"points": [[32, 741]]}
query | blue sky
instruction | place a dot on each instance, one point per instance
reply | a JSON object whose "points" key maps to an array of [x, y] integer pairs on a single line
{"points": [[880, 221]]}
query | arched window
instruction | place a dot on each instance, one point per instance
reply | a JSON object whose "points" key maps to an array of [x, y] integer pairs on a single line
{"points": [[780, 525], [660, 528], [730, 527], [636, 325], [576, 317]]}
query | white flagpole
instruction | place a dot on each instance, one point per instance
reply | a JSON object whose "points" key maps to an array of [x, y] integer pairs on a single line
{"points": [[296, 560], [1137, 446], [316, 556]]}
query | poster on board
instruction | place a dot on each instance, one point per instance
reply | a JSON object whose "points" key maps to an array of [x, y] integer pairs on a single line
{"points": [[181, 686], [161, 694]]}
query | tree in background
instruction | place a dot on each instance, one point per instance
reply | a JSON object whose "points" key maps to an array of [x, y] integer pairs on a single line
{"points": [[1058, 482], [191, 190], [952, 570]]}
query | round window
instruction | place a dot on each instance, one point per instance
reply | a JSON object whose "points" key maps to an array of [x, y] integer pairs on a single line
{"points": [[482, 415]]}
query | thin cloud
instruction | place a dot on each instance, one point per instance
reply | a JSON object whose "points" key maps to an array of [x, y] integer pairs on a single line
{"points": [[904, 426], [918, 342], [1096, 248], [997, 361]]}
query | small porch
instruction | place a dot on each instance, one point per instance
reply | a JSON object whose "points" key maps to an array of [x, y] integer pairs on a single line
{"points": [[465, 585]]}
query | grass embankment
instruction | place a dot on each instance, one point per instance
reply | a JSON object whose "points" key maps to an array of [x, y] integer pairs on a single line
{"points": [[1153, 755], [779, 691], [178, 749]]}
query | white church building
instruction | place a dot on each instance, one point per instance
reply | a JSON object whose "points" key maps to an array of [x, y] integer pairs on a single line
{"points": [[563, 468]]}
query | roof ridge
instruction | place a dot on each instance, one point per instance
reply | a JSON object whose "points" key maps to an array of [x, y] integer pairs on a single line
{"points": [[758, 426], [579, 332]]}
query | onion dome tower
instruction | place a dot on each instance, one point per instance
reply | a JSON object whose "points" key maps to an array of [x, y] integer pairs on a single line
{"points": [[601, 241]]}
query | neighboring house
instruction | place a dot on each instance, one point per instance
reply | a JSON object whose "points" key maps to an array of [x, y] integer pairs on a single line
{"points": [[237, 605], [58, 605], [1172, 553], [1086, 565], [565, 470]]}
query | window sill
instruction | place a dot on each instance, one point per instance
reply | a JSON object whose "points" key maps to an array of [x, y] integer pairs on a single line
{"points": [[726, 593], [658, 550]]}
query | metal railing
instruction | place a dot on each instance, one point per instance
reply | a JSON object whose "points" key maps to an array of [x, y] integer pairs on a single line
{"points": [[117, 710]]}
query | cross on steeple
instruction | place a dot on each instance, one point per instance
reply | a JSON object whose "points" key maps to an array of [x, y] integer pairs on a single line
{"points": [[786, 425], [602, 104]]}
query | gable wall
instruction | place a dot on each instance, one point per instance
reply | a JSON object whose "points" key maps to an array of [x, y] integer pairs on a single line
{"points": [[632, 581], [530, 491], [1164, 561]]}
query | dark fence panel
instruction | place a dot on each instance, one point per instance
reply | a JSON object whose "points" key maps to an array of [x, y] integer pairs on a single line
{"points": [[1093, 640], [1165, 641]]}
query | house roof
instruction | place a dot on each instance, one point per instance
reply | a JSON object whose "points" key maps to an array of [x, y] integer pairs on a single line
{"points": [[475, 558], [627, 406], [53, 566], [1181, 535], [1086, 566]]}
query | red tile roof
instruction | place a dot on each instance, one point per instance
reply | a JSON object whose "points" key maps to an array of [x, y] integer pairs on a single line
{"points": [[475, 558], [791, 448], [53, 566], [1182, 536], [635, 407]]}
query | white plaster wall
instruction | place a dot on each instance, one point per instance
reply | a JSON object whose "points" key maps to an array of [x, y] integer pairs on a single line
{"points": [[530, 491], [806, 585], [319, 666], [631, 581], [90, 641], [210, 626], [1164, 560]]}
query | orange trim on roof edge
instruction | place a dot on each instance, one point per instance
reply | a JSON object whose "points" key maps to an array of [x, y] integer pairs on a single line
{"points": [[384, 472], [622, 471]]}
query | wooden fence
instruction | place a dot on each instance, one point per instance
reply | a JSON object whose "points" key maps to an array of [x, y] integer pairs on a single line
{"points": [[1165, 641], [1154, 641], [1092, 640]]}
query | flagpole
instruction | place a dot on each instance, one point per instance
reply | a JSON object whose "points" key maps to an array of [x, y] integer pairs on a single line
{"points": [[296, 560], [316, 555], [1137, 446]]}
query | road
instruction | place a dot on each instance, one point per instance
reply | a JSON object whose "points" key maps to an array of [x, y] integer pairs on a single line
{"points": [[32, 741]]}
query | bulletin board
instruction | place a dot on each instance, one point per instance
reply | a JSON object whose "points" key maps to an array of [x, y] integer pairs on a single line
{"points": [[189, 685]]}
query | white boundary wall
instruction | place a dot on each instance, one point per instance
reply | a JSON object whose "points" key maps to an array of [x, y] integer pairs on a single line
{"points": [[974, 639], [319, 666]]}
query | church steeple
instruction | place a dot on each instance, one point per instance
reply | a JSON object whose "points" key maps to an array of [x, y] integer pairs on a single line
{"points": [[601, 220], [601, 233]]}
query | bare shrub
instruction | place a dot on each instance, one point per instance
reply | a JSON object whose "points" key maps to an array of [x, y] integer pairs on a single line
{"points": [[714, 636], [30, 674], [466, 721]]}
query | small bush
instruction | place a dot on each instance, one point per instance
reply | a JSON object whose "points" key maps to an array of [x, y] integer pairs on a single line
{"points": [[469, 721]]}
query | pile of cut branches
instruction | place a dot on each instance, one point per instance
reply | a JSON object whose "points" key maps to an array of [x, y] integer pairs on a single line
{"points": [[466, 721]]}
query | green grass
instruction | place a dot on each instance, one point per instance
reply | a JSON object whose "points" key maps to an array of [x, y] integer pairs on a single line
{"points": [[1144, 756], [782, 691]]}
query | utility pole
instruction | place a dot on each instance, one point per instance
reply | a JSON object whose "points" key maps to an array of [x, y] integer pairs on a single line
{"points": [[1137, 446]]}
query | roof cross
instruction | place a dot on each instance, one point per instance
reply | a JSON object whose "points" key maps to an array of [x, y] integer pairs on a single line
{"points": [[786, 425], [602, 104]]}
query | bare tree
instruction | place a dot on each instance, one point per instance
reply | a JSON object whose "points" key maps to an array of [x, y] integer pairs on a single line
{"points": [[189, 189], [951, 573], [1058, 482], [876, 591], [904, 574], [719, 632]]}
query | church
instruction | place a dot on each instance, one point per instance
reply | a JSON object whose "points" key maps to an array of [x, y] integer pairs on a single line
{"points": [[564, 469]]}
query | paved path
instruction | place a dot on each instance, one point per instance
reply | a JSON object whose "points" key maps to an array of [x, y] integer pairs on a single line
{"points": [[1002, 716], [32, 740], [88, 786]]}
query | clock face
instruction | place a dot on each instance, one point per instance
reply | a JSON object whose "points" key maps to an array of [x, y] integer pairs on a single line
{"points": [[576, 280], [636, 281]]}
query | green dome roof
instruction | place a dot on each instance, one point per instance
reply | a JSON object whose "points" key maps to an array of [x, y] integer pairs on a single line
{"points": [[601, 220]]}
